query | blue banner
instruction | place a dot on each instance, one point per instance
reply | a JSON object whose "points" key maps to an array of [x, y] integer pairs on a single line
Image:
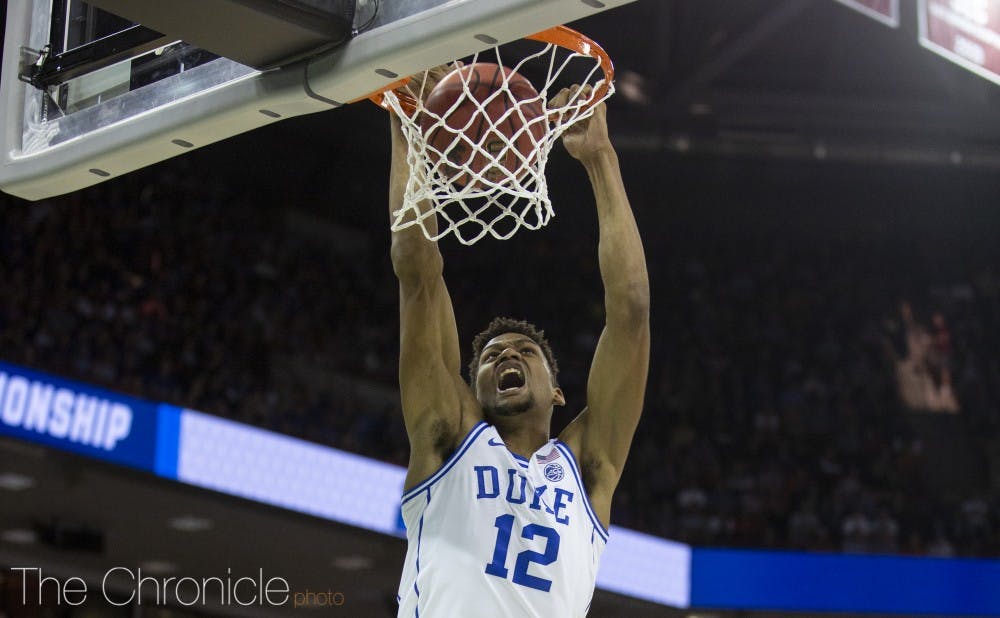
{"points": [[797, 581], [76, 417]]}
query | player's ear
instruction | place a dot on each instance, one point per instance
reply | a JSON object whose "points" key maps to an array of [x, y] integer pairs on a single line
{"points": [[558, 399]]}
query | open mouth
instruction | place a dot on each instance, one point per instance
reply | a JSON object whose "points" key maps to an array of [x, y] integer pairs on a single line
{"points": [[511, 378]]}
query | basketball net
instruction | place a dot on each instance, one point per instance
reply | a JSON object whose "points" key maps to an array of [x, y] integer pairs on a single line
{"points": [[499, 189]]}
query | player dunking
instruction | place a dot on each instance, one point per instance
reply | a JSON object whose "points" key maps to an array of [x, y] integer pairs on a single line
{"points": [[500, 519]]}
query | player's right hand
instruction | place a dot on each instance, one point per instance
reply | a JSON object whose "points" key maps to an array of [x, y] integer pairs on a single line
{"points": [[420, 85]]}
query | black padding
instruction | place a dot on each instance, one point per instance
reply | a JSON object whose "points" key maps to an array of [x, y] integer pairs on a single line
{"points": [[258, 33]]}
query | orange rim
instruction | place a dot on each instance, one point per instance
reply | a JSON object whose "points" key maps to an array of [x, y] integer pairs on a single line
{"points": [[564, 37]]}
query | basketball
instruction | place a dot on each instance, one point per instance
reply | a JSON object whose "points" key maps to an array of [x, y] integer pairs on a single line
{"points": [[494, 124]]}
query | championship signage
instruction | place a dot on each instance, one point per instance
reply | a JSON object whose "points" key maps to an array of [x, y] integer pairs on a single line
{"points": [[76, 417], [885, 11], [966, 32]]}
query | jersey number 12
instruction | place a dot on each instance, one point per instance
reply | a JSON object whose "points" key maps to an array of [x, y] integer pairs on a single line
{"points": [[504, 524]]}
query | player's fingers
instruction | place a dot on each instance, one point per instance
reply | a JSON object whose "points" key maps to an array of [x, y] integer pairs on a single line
{"points": [[432, 76], [420, 83], [576, 95], [438, 72], [561, 98], [408, 92], [556, 105], [584, 94]]}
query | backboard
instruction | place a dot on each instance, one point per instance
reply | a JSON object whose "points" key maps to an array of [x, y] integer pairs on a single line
{"points": [[164, 95]]}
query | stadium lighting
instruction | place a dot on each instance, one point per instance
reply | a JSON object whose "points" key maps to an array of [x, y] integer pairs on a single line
{"points": [[12, 481], [19, 536], [191, 523]]}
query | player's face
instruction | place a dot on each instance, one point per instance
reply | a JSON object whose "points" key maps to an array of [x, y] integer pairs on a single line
{"points": [[514, 376]]}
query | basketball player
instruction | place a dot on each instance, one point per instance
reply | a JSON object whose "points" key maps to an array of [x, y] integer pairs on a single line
{"points": [[501, 520]]}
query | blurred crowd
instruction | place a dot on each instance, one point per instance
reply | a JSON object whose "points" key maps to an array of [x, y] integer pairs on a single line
{"points": [[779, 412]]}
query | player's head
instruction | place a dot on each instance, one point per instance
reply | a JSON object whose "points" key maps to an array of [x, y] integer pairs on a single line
{"points": [[513, 369]]}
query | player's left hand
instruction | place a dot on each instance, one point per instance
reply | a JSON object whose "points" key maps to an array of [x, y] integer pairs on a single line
{"points": [[588, 137]]}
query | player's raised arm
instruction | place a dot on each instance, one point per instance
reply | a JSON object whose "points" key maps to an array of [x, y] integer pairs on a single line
{"points": [[431, 387], [617, 382]]}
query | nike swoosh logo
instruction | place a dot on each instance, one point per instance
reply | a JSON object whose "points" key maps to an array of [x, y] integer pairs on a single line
{"points": [[492, 442]]}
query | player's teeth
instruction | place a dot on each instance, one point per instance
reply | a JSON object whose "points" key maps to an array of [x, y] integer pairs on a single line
{"points": [[505, 373]]}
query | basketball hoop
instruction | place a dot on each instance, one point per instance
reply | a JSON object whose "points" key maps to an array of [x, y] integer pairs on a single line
{"points": [[498, 183]]}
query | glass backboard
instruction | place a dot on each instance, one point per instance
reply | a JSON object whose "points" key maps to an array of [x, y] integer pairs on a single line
{"points": [[166, 96]]}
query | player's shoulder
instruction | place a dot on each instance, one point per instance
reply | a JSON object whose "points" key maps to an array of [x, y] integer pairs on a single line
{"points": [[598, 478]]}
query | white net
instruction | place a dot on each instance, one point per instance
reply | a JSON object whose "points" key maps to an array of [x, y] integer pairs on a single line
{"points": [[477, 164]]}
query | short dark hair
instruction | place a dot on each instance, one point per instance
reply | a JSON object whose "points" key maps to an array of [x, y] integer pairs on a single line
{"points": [[500, 326]]}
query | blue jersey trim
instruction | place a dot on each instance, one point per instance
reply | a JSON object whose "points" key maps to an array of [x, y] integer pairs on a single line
{"points": [[447, 465], [420, 534], [568, 452]]}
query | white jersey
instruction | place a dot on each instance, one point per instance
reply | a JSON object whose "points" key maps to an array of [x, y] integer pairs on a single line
{"points": [[493, 534]]}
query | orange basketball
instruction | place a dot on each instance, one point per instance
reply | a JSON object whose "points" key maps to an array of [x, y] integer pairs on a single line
{"points": [[489, 117]]}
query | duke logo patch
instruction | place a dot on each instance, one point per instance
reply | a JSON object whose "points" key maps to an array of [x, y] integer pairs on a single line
{"points": [[554, 472]]}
